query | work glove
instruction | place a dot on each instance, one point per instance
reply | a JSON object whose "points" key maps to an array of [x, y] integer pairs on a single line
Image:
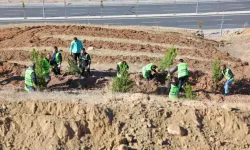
{"points": [[59, 66]]}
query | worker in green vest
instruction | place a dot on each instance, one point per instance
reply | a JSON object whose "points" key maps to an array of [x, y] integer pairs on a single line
{"points": [[46, 68], [30, 79], [84, 62], [175, 88], [147, 71], [56, 61], [122, 65], [183, 73], [228, 74]]}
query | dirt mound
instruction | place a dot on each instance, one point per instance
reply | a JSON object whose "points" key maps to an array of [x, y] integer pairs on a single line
{"points": [[11, 69], [11, 74], [69, 82], [138, 121]]}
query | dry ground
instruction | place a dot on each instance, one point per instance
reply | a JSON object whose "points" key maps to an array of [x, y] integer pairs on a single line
{"points": [[76, 113]]}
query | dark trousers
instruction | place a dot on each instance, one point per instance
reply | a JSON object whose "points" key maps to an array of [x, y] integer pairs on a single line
{"points": [[76, 56], [83, 70], [183, 81], [56, 70]]}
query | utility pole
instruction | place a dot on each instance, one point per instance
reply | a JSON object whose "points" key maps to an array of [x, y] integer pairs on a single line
{"points": [[197, 5], [43, 10], [65, 14], [221, 26], [174, 5], [218, 5], [136, 7]]}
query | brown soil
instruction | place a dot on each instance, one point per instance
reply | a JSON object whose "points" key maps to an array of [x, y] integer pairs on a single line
{"points": [[138, 121], [199, 54], [79, 113]]}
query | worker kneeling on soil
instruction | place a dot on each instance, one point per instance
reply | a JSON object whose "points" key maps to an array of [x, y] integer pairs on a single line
{"points": [[183, 73], [56, 61], [175, 88], [147, 71], [46, 68], [228, 74], [30, 79], [121, 66], [84, 62]]}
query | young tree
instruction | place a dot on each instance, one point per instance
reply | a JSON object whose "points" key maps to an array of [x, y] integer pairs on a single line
{"points": [[216, 73], [39, 61], [189, 92], [73, 69], [200, 31], [123, 83], [168, 58]]}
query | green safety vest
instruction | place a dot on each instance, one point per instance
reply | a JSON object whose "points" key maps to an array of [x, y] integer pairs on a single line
{"points": [[174, 91], [182, 70], [57, 57], [145, 69], [84, 57], [28, 79], [46, 66], [120, 65], [226, 74]]}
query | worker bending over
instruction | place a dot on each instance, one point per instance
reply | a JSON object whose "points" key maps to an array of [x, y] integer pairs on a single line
{"points": [[228, 74], [147, 71], [121, 66], [30, 79], [175, 88], [56, 61], [84, 62], [183, 73]]}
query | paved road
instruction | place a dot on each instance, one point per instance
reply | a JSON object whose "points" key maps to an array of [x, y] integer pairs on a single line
{"points": [[209, 22], [81, 10]]}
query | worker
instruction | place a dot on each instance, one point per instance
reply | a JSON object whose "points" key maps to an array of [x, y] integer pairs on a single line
{"points": [[56, 61], [228, 74], [120, 66], [84, 62], [147, 71], [183, 73], [175, 88], [30, 79], [46, 68], [75, 49]]}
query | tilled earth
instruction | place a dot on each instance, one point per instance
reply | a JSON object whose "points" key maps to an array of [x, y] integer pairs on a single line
{"points": [[81, 113], [111, 45]]}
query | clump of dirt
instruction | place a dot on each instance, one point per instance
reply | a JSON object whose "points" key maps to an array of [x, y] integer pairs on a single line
{"points": [[11, 69], [142, 85], [69, 82], [137, 121], [11, 74]]}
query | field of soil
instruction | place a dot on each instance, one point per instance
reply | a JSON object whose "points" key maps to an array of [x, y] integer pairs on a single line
{"points": [[81, 113]]}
